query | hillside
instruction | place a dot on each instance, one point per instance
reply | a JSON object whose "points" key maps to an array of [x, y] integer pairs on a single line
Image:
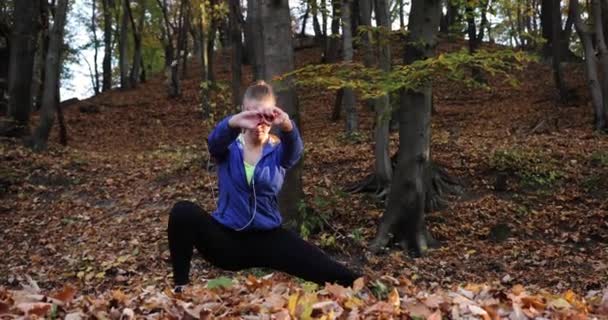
{"points": [[94, 214]]}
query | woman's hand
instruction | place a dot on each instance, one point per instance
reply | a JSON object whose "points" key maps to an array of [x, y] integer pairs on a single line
{"points": [[245, 120], [277, 117]]}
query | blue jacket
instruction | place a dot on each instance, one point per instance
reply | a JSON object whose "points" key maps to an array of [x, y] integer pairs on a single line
{"points": [[238, 201]]}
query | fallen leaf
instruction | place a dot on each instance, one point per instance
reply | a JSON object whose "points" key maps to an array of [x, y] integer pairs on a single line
{"points": [[435, 316], [37, 308], [359, 284], [66, 294]]}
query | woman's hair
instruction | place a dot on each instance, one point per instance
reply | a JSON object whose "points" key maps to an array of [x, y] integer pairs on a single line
{"points": [[259, 90]]}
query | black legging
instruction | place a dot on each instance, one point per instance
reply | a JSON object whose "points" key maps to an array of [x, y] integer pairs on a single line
{"points": [[278, 249]]}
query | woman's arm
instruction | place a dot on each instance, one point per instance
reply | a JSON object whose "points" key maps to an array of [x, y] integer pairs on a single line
{"points": [[221, 137], [226, 131], [291, 147]]}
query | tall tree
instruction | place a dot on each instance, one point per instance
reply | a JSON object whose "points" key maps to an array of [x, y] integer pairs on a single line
{"points": [[171, 58], [236, 23], [22, 55], [135, 73], [556, 48], [348, 97], [95, 47], [332, 43], [316, 26], [123, 63], [203, 30], [51, 81], [404, 216], [596, 57], [107, 44], [382, 164], [278, 58]]}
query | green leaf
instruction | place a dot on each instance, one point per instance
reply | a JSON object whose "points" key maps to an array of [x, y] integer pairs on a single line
{"points": [[223, 282]]}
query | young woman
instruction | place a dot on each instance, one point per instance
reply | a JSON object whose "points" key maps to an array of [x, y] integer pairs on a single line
{"points": [[245, 231]]}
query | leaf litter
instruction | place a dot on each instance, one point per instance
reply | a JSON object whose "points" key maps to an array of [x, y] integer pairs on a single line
{"points": [[83, 227]]}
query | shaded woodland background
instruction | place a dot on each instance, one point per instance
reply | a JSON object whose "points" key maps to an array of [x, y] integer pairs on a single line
{"points": [[501, 178]]}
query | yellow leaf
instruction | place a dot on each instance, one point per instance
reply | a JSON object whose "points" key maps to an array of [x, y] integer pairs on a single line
{"points": [[291, 304], [393, 298]]}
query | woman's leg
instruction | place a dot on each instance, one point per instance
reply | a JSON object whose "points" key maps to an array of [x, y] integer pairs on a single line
{"points": [[284, 250], [185, 219], [189, 227], [279, 249]]}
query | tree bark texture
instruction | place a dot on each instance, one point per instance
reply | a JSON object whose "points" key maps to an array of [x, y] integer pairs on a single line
{"points": [[348, 99], [50, 99], [21, 65], [107, 45], [122, 44], [404, 216]]}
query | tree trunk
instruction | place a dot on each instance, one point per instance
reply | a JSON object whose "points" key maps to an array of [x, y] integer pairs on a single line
{"points": [[324, 19], [401, 15], [547, 24], [602, 51], [275, 23], [41, 54], [124, 29], [212, 32], [451, 16], [404, 216], [205, 85], [183, 50], [556, 49], [332, 44], [304, 20], [171, 62], [348, 99], [354, 16], [107, 45], [237, 52], [95, 47], [51, 81], [254, 42], [382, 165], [591, 66], [365, 17], [137, 59], [21, 66], [316, 26]]}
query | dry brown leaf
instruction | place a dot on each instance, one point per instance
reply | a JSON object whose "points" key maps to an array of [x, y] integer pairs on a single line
{"points": [[359, 284], [518, 289], [435, 316], [37, 308], [418, 310], [66, 294], [338, 291]]}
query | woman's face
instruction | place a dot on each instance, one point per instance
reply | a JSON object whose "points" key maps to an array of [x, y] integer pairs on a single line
{"points": [[263, 128]]}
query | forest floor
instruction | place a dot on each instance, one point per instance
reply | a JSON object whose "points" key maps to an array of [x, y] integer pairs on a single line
{"points": [[93, 214]]}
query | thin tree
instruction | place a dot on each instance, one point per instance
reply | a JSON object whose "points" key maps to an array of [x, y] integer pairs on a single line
{"points": [[107, 44], [348, 97], [123, 63], [236, 23], [21, 66], [382, 164], [51, 81], [135, 73], [171, 63], [95, 47], [556, 51]]}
